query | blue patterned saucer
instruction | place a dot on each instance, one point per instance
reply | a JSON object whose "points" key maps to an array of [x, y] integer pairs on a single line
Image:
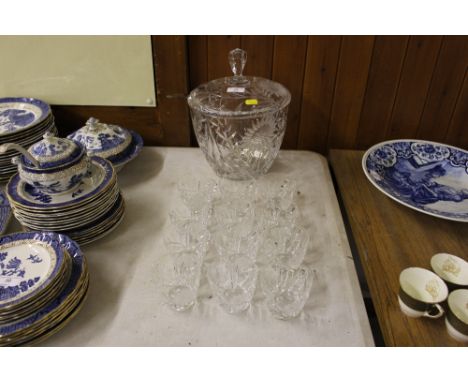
{"points": [[24, 195], [5, 212], [18, 114], [65, 303], [427, 176], [29, 263]]}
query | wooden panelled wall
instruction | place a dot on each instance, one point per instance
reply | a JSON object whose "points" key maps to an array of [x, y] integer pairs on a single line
{"points": [[347, 91], [354, 91]]}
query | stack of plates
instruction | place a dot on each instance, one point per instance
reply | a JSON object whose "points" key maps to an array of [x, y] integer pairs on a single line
{"points": [[43, 283], [5, 212], [84, 214], [23, 121]]}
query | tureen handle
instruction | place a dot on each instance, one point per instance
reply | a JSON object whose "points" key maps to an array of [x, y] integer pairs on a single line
{"points": [[14, 146]]}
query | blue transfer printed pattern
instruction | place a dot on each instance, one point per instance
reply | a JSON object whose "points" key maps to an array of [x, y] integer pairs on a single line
{"points": [[409, 170], [46, 149], [77, 192], [13, 268], [37, 194], [104, 142], [44, 200], [77, 269], [14, 118], [130, 153], [11, 119], [34, 259]]}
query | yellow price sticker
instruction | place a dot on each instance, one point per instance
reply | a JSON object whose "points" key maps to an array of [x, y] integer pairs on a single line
{"points": [[251, 101]]}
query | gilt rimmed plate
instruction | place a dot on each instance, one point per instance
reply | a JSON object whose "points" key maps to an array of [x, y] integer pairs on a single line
{"points": [[429, 177], [29, 263], [17, 113], [5, 212], [66, 301], [102, 173]]}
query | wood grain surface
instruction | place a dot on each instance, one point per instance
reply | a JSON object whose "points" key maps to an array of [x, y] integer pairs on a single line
{"points": [[390, 237], [354, 91], [348, 92]]}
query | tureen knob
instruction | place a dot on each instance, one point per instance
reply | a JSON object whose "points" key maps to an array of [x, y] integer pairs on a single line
{"points": [[92, 122], [48, 135]]}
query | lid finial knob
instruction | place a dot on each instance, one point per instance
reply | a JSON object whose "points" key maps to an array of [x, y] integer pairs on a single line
{"points": [[91, 123], [237, 60]]}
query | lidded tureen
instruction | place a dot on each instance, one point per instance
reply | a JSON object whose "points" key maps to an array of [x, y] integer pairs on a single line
{"points": [[108, 141], [53, 165], [239, 121]]}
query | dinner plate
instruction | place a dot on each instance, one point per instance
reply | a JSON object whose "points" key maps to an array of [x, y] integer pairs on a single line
{"points": [[32, 305], [56, 327], [429, 177], [29, 263], [17, 114], [63, 304], [57, 222], [5, 212]]}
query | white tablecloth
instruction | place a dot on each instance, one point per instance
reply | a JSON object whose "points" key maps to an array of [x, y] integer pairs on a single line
{"points": [[125, 307]]}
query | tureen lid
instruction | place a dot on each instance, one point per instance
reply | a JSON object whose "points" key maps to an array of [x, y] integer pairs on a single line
{"points": [[239, 95], [102, 139], [53, 151]]}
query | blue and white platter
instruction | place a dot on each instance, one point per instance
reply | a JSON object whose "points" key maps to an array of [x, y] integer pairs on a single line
{"points": [[426, 176], [17, 114], [29, 263], [51, 316], [5, 212]]}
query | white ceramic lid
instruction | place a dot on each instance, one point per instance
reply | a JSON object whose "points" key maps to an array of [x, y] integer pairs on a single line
{"points": [[53, 151], [102, 139]]}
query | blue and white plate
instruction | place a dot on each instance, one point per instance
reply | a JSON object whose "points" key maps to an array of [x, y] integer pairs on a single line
{"points": [[5, 212], [18, 114], [427, 176], [29, 263], [64, 303]]}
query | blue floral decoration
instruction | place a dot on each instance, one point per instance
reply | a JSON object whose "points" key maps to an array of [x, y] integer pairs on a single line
{"points": [[411, 177], [38, 195], [13, 269]]}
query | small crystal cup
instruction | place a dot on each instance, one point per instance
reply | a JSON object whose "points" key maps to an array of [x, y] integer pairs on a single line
{"points": [[232, 280], [180, 241], [286, 290], [197, 195], [183, 222], [285, 245], [181, 275], [237, 238]]}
